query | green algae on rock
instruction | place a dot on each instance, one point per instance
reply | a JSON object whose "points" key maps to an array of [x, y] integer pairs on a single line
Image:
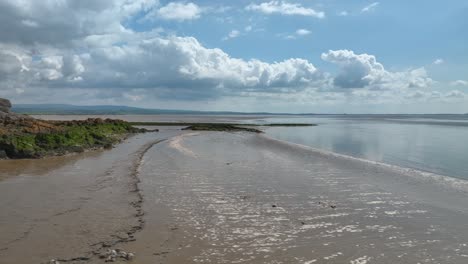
{"points": [[22, 136], [70, 136]]}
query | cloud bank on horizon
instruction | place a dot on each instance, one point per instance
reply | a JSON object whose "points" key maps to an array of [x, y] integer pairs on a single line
{"points": [[278, 56]]}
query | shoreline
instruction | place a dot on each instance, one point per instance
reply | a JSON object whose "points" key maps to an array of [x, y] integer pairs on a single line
{"points": [[218, 197], [191, 201], [446, 192], [459, 184]]}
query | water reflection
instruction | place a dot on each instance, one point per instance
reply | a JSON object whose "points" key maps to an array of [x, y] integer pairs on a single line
{"points": [[440, 149], [13, 168]]}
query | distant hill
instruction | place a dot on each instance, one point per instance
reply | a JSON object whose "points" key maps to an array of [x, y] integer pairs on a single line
{"points": [[65, 109]]}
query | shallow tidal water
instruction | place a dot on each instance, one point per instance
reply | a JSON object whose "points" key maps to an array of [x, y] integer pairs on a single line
{"points": [[436, 144]]}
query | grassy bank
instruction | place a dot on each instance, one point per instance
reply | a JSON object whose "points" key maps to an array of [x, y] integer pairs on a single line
{"points": [[73, 136]]}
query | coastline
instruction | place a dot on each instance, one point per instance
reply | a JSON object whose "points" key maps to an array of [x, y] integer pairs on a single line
{"points": [[224, 197], [457, 184], [422, 186]]}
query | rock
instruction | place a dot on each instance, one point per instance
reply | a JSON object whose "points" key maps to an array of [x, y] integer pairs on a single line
{"points": [[3, 154], [5, 105], [130, 256], [113, 255]]}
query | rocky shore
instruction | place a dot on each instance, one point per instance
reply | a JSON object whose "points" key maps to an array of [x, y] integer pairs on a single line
{"points": [[22, 136]]}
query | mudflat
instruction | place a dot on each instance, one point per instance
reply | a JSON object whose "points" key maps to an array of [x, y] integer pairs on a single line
{"points": [[218, 197], [242, 198], [71, 207]]}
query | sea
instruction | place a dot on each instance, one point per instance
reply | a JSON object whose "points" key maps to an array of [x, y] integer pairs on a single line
{"points": [[430, 143]]}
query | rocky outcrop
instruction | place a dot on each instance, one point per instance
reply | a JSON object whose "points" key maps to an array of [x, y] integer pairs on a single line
{"points": [[22, 136], [7, 117], [5, 105], [12, 123]]}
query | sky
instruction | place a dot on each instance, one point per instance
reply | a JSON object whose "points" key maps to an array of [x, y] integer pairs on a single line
{"points": [[310, 56]]}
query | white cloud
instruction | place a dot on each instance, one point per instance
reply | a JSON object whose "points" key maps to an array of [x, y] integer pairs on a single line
{"points": [[88, 56], [179, 11], [303, 32], [58, 67], [438, 61], [298, 33], [370, 7], [364, 71], [459, 83], [233, 34], [216, 66], [165, 66], [284, 8], [29, 22]]}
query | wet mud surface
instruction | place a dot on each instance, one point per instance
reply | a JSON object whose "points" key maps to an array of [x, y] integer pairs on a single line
{"points": [[216, 197], [241, 198], [71, 208]]}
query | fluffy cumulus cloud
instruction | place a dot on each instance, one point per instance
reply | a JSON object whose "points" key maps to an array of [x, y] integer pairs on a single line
{"points": [[94, 51], [364, 71], [182, 62], [30, 22], [89, 55], [285, 8], [169, 66], [178, 11]]}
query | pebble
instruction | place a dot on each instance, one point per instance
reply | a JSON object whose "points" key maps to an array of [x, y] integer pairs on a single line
{"points": [[111, 255]]}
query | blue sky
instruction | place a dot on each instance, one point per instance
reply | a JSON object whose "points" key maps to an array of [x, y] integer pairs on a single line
{"points": [[329, 56]]}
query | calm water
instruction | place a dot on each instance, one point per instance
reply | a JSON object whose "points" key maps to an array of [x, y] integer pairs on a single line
{"points": [[433, 143], [437, 144]]}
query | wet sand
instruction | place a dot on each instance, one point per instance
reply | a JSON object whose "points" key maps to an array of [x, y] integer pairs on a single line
{"points": [[67, 207], [242, 198], [211, 197]]}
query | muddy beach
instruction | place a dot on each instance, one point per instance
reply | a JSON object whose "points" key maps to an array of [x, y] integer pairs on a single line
{"points": [[216, 197]]}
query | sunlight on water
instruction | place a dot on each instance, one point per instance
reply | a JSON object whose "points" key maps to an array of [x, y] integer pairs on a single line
{"points": [[434, 145]]}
